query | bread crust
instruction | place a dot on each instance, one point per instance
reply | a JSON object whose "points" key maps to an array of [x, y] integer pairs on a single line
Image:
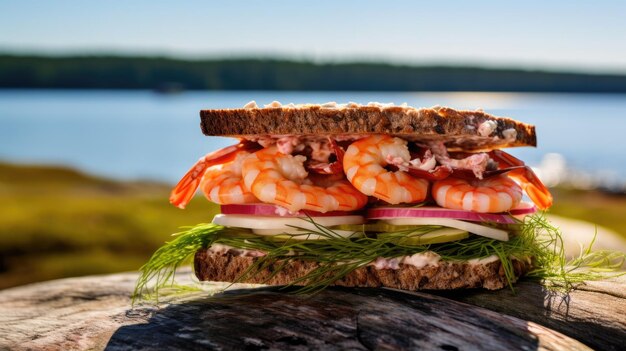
{"points": [[459, 130], [210, 266]]}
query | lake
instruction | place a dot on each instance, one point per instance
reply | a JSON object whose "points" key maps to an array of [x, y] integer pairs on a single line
{"points": [[145, 135]]}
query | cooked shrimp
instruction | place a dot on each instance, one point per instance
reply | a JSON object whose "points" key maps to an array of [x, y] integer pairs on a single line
{"points": [[529, 181], [491, 195], [187, 186], [280, 179], [223, 184], [364, 164]]}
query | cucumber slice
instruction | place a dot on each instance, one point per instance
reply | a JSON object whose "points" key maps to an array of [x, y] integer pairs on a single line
{"points": [[376, 227], [242, 233], [295, 234], [278, 238], [438, 236]]}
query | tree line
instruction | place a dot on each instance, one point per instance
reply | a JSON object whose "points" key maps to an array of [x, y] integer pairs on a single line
{"points": [[118, 72]]}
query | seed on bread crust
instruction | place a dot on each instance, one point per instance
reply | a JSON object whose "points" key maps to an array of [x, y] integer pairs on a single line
{"points": [[459, 130]]}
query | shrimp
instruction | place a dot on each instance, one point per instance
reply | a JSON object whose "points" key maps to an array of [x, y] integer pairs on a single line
{"points": [[280, 179], [364, 164], [187, 186], [491, 195], [223, 184], [529, 181]]}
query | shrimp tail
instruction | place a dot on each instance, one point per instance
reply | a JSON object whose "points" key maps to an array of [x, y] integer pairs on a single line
{"points": [[335, 167], [535, 189], [186, 188], [505, 160], [532, 185], [438, 173]]}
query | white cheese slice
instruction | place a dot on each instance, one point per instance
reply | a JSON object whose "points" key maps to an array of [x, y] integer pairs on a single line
{"points": [[283, 223]]}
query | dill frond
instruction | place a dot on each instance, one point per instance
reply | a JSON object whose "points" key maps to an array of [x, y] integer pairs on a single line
{"points": [[161, 267], [337, 256], [552, 268]]}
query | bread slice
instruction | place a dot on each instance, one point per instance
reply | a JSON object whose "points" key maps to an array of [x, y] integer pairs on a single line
{"points": [[459, 130], [227, 267]]}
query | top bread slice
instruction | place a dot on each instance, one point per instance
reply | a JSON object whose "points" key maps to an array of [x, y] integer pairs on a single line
{"points": [[458, 129]]}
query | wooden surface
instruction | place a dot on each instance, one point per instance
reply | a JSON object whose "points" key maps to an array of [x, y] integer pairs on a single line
{"points": [[595, 313], [94, 313]]}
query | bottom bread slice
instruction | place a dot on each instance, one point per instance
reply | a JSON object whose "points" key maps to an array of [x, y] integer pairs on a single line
{"points": [[444, 275]]}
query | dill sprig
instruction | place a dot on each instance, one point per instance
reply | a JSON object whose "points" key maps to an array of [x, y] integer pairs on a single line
{"points": [[337, 256], [161, 268], [556, 272]]}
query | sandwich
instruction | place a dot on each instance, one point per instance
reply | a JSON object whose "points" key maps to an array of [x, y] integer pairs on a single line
{"points": [[375, 195]]}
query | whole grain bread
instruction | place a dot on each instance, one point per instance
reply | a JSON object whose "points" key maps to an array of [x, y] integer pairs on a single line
{"points": [[210, 266], [459, 130]]}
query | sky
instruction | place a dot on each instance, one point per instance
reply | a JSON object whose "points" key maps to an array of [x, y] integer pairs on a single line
{"points": [[556, 35]]}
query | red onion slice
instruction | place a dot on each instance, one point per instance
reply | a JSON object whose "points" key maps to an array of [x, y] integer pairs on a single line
{"points": [[261, 209], [524, 208], [440, 212]]}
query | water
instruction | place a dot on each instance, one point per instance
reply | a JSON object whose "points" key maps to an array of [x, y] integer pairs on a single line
{"points": [[144, 135]]}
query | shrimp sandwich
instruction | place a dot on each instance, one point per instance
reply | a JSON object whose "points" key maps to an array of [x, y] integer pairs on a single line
{"points": [[374, 195]]}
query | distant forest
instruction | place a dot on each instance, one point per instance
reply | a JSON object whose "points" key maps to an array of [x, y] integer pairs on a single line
{"points": [[119, 72]]}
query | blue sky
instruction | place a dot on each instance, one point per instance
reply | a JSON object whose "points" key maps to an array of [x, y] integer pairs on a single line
{"points": [[563, 35]]}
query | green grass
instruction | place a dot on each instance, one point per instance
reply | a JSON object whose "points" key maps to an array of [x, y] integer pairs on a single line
{"points": [[56, 222], [603, 209]]}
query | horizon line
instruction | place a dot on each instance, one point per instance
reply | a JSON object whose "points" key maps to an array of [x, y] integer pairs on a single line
{"points": [[310, 59]]}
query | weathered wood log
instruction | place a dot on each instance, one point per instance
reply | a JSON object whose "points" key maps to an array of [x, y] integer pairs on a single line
{"points": [[594, 313], [94, 313]]}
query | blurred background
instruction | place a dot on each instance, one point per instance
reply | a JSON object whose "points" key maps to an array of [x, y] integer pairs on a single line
{"points": [[99, 104]]}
